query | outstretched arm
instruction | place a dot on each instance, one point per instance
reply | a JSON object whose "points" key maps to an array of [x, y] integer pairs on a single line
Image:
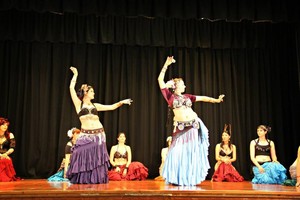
{"points": [[210, 99], [75, 99], [161, 76], [101, 107]]}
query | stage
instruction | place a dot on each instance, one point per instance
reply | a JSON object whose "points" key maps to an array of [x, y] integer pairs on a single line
{"points": [[145, 190]]}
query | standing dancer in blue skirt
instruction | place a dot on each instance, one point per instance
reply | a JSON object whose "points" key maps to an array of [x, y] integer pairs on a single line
{"points": [[90, 160], [187, 162]]}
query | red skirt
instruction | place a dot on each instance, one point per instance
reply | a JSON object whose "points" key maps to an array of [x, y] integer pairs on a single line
{"points": [[135, 171], [7, 171], [227, 172]]}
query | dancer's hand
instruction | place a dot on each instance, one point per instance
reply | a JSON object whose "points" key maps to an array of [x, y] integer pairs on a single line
{"points": [[126, 101], [169, 61], [74, 70]]}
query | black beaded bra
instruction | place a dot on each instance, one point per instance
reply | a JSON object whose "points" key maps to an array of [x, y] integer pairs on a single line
{"points": [[87, 110]]}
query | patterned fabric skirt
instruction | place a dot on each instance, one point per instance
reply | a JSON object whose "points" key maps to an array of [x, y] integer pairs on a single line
{"points": [[89, 160], [275, 173], [7, 171], [226, 172], [187, 159], [135, 171]]}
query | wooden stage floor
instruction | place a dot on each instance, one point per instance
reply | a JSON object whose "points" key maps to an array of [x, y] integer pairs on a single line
{"points": [[144, 190]]}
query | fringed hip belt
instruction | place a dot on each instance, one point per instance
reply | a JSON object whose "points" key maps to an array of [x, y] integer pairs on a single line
{"points": [[180, 125], [93, 131]]}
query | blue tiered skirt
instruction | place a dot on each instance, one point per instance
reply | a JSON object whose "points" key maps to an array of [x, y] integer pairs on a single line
{"points": [[58, 177], [275, 173], [187, 159], [89, 161]]}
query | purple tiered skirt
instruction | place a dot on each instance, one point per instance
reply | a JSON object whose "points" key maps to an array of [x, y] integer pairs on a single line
{"points": [[90, 160]]}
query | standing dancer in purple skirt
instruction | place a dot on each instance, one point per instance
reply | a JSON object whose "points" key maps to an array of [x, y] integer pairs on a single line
{"points": [[90, 160]]}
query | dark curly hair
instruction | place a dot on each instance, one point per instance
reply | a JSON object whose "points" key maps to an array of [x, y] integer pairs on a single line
{"points": [[5, 121], [84, 88]]}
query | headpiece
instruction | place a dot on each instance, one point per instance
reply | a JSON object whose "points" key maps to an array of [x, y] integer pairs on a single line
{"points": [[227, 129]]}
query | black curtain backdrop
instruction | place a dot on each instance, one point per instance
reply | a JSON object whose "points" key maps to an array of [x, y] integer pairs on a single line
{"points": [[230, 10], [254, 64]]}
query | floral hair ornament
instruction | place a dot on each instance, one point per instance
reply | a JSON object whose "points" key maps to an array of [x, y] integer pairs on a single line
{"points": [[171, 84], [70, 132]]}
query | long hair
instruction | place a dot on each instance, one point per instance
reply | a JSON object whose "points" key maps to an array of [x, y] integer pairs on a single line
{"points": [[5, 121]]}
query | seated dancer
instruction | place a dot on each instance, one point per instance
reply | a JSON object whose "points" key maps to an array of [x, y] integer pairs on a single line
{"points": [[7, 147], [225, 153], [267, 169], [61, 174], [163, 154], [122, 167]]}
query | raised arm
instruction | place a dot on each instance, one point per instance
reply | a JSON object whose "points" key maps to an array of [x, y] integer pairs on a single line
{"points": [[75, 99], [161, 76], [210, 99], [101, 107]]}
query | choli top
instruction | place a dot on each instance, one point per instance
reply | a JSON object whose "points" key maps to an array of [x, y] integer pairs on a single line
{"points": [[119, 155], [176, 101], [7, 144], [223, 153], [262, 150], [85, 110]]}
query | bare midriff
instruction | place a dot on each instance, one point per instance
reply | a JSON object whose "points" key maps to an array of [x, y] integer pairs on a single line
{"points": [[90, 122], [184, 114], [263, 158]]}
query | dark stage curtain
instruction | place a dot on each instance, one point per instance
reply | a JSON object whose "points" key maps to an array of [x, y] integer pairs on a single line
{"points": [[233, 10], [253, 64]]}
